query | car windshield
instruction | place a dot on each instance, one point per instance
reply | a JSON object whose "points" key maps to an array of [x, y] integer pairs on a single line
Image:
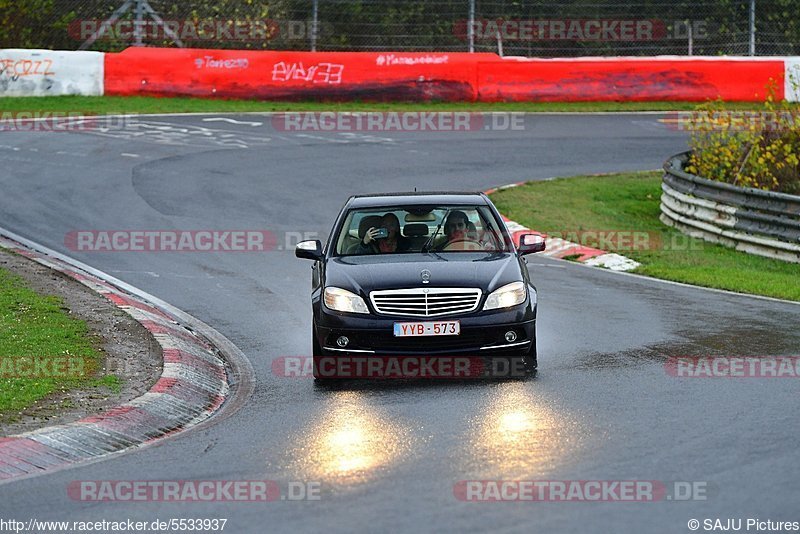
{"points": [[416, 229]]}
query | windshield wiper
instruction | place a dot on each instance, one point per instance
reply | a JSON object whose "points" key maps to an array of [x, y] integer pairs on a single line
{"points": [[433, 236]]}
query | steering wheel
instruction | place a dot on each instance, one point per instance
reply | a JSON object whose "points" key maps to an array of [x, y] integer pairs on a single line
{"points": [[462, 244]]}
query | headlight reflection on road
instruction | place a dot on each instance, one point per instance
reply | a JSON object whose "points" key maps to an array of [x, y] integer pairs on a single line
{"points": [[351, 441], [515, 422], [517, 436], [349, 449]]}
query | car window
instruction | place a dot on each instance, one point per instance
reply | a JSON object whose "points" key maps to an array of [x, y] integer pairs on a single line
{"points": [[421, 229]]}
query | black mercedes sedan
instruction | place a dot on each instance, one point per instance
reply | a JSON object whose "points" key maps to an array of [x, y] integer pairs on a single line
{"points": [[408, 281]]}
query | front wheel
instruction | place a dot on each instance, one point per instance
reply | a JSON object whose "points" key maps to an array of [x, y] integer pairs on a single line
{"points": [[530, 359], [316, 355]]}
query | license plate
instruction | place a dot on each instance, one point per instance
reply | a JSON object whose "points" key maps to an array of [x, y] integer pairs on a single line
{"points": [[429, 328]]}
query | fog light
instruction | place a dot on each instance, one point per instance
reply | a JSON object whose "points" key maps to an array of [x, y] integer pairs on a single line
{"points": [[342, 341], [511, 336]]}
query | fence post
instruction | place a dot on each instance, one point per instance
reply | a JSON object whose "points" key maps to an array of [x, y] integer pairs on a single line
{"points": [[752, 27], [471, 26], [137, 25], [314, 25]]}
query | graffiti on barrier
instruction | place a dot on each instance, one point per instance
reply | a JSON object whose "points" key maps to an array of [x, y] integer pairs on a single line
{"points": [[322, 73], [389, 60], [212, 63], [22, 68]]}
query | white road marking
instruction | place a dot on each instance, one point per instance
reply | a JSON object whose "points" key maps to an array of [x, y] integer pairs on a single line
{"points": [[547, 265], [233, 121], [321, 138], [367, 138], [183, 135], [150, 273]]}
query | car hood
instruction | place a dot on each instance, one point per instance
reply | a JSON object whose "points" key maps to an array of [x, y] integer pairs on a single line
{"points": [[362, 274]]}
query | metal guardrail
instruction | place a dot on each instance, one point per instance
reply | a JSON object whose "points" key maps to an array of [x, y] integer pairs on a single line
{"points": [[751, 220]]}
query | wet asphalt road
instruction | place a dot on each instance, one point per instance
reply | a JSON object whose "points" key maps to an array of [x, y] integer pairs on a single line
{"points": [[388, 456]]}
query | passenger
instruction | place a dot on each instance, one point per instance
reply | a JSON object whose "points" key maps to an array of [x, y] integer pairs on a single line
{"points": [[394, 242]]}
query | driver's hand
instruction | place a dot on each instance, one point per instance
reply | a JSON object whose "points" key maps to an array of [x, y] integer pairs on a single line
{"points": [[369, 236]]}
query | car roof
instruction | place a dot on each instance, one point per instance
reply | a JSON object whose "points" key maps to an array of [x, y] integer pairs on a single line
{"points": [[418, 199]]}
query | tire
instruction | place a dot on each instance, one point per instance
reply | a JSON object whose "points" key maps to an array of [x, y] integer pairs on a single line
{"points": [[531, 360], [316, 355]]}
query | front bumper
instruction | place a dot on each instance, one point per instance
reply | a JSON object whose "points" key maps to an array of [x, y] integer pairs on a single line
{"points": [[482, 334]]}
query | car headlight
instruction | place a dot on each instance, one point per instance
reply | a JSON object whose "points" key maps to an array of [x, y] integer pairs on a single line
{"points": [[344, 301], [506, 296]]}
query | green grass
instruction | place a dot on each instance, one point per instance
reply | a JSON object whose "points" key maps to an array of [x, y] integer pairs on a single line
{"points": [[630, 202], [144, 104], [38, 326]]}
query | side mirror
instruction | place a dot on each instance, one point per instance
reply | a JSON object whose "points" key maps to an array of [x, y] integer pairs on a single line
{"points": [[309, 250], [530, 243]]}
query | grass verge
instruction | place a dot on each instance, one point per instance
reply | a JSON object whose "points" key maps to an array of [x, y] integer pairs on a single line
{"points": [[629, 203], [42, 349], [144, 104]]}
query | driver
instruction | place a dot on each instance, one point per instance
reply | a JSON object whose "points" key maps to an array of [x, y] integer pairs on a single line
{"points": [[456, 227], [461, 234]]}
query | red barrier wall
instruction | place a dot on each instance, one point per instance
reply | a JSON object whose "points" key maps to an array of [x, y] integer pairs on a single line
{"points": [[628, 79], [293, 75], [432, 76]]}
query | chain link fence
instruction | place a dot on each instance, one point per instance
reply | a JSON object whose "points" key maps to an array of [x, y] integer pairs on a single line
{"points": [[533, 29]]}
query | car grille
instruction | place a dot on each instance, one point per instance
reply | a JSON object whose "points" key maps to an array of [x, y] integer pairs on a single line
{"points": [[466, 340], [425, 302]]}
